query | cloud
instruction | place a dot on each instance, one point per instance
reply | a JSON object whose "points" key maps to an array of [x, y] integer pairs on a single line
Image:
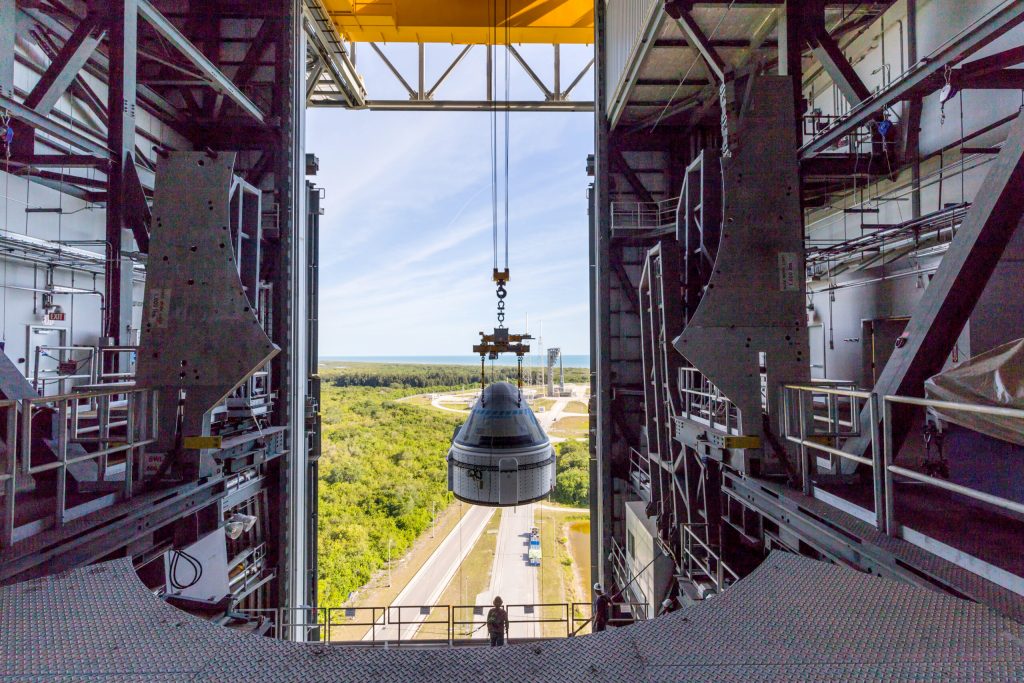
{"points": [[406, 236]]}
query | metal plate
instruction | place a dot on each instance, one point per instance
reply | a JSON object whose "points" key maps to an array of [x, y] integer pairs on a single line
{"points": [[791, 619]]}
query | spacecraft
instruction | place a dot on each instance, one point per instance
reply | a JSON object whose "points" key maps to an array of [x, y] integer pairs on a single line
{"points": [[501, 456]]}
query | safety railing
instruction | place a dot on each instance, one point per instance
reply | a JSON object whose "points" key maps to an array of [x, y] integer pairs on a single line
{"points": [[811, 441], [126, 357], [8, 470], [110, 428], [421, 617], [799, 406], [396, 625], [622, 613], [892, 526], [641, 216], [816, 123], [703, 402], [68, 369], [624, 574], [698, 554], [640, 473]]}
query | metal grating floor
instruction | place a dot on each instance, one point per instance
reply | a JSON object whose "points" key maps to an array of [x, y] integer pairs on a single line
{"points": [[791, 619]]}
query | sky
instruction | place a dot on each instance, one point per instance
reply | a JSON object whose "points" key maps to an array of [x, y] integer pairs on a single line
{"points": [[406, 236]]}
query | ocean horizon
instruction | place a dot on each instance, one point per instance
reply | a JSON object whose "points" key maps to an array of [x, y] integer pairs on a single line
{"points": [[536, 360]]}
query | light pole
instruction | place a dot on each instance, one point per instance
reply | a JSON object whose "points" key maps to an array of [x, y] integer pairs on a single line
{"points": [[433, 517], [390, 541]]}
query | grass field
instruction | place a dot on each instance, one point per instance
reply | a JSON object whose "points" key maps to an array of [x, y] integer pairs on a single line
{"points": [[574, 426], [576, 407], [544, 403], [560, 580]]}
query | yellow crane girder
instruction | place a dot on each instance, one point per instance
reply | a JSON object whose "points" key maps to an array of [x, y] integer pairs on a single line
{"points": [[464, 21]]}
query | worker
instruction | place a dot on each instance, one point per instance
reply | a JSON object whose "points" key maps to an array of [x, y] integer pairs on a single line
{"points": [[497, 623], [602, 608]]}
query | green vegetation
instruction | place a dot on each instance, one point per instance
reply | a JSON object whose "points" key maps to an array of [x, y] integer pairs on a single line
{"points": [[576, 407], [572, 485], [561, 578], [544, 403], [574, 426], [382, 472], [441, 377]]}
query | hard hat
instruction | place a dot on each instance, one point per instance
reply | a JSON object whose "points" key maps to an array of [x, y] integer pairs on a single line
{"points": [[598, 587]]}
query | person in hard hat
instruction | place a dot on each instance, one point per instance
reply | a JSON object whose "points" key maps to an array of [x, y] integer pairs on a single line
{"points": [[602, 608], [497, 623]]}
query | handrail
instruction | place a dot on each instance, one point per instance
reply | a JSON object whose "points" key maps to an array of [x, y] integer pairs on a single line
{"points": [[716, 575], [75, 415], [880, 422], [326, 618], [806, 429], [890, 469], [852, 393], [1002, 411]]}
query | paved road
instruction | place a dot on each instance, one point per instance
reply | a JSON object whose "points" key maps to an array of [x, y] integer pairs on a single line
{"points": [[511, 576], [429, 582]]}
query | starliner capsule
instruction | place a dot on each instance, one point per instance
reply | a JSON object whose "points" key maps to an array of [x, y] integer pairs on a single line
{"points": [[501, 455]]}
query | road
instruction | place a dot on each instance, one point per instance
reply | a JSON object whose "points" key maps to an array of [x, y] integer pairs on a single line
{"points": [[511, 576], [429, 582]]}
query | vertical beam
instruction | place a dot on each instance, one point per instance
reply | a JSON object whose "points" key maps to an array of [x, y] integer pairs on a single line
{"points": [[122, 27], [790, 51], [421, 87], [600, 312], [8, 30], [912, 127], [947, 303]]}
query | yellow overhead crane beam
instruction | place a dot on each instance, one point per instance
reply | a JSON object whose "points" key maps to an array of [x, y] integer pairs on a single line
{"points": [[465, 22]]}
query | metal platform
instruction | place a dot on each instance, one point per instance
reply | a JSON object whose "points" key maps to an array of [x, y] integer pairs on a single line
{"points": [[791, 619]]}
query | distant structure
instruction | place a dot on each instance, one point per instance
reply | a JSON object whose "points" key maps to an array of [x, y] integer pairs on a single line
{"points": [[555, 356]]}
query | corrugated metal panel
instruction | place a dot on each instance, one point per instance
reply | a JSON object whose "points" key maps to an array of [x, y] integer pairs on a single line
{"points": [[628, 22]]}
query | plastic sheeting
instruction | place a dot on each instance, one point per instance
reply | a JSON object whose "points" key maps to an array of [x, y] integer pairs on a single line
{"points": [[994, 378]]}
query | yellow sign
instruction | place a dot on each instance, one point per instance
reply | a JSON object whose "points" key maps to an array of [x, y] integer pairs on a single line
{"points": [[199, 443]]}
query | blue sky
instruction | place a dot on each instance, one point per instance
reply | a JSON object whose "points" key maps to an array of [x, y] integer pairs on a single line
{"points": [[405, 245]]}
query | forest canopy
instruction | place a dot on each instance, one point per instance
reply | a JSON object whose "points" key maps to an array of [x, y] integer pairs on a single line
{"points": [[382, 468]]}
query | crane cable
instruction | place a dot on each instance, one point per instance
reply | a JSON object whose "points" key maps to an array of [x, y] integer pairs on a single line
{"points": [[500, 275]]}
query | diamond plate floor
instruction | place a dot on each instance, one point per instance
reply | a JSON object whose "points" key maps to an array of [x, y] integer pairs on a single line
{"points": [[793, 619]]}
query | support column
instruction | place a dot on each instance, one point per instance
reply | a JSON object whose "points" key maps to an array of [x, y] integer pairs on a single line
{"points": [[790, 49], [601, 504], [8, 30], [122, 18]]}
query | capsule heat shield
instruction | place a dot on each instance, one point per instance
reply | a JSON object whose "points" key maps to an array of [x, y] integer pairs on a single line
{"points": [[501, 455]]}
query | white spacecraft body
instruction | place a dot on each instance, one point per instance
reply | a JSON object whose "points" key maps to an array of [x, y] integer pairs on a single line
{"points": [[501, 456]]}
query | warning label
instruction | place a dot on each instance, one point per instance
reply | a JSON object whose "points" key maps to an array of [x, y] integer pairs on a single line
{"points": [[159, 307], [788, 272]]}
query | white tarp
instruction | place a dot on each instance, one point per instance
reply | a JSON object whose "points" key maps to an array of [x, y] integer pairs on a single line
{"points": [[994, 378]]}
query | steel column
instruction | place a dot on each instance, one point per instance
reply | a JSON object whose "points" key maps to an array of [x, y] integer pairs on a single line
{"points": [[600, 312], [8, 30], [122, 30]]}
